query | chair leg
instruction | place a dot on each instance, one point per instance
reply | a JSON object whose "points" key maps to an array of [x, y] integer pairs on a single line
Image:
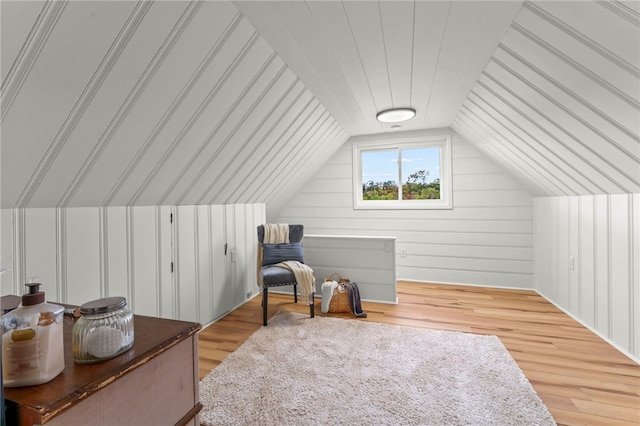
{"points": [[312, 307], [265, 296], [295, 293]]}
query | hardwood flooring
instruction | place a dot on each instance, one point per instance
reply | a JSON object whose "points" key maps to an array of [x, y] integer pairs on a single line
{"points": [[582, 379]]}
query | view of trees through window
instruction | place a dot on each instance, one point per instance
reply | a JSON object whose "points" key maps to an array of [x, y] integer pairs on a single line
{"points": [[418, 169]]}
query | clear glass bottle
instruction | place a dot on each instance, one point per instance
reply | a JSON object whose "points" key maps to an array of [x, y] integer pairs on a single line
{"points": [[103, 331]]}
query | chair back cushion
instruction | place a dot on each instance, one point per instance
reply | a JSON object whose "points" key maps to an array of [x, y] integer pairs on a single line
{"points": [[276, 253]]}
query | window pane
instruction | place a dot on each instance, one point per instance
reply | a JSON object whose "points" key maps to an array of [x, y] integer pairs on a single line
{"points": [[421, 174], [380, 175]]}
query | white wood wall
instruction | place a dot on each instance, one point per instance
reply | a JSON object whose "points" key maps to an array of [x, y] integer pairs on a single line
{"points": [[81, 254], [602, 235], [486, 239]]}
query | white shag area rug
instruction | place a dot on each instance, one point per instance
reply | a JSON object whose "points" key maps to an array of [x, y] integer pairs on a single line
{"points": [[328, 371]]}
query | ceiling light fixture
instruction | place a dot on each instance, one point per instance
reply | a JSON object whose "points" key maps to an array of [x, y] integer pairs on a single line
{"points": [[396, 115]]}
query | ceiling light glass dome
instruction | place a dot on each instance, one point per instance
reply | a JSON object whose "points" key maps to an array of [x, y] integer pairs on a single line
{"points": [[396, 115]]}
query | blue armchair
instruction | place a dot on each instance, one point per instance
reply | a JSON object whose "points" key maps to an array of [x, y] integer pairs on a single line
{"points": [[273, 275]]}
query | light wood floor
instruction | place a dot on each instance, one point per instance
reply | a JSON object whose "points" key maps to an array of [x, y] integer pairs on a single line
{"points": [[582, 379]]}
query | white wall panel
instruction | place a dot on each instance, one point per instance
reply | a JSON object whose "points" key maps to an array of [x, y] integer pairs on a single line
{"points": [[115, 247], [143, 260], [81, 255], [204, 276], [586, 256], [635, 275], [185, 265], [602, 265], [486, 239], [6, 252], [601, 233], [241, 260], [219, 263], [621, 295], [166, 280], [40, 249], [561, 276]]}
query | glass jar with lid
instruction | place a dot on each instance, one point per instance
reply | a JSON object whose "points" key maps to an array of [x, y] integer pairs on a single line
{"points": [[103, 331]]}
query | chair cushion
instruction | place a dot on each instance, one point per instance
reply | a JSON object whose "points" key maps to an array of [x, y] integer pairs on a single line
{"points": [[273, 276], [276, 253]]}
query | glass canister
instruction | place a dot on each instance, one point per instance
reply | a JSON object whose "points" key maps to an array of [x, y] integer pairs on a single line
{"points": [[103, 331]]}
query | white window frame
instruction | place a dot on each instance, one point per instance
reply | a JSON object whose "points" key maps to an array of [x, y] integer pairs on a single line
{"points": [[446, 190]]}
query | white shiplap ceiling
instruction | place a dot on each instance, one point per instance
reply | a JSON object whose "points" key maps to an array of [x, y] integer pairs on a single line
{"points": [[362, 57], [174, 102]]}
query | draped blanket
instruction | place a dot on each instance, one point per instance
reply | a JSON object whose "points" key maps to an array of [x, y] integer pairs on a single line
{"points": [[304, 277], [276, 233]]}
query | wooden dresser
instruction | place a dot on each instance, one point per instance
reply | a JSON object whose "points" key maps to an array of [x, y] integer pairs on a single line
{"points": [[154, 383]]}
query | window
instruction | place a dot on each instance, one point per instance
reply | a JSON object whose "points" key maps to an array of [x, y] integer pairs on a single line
{"points": [[409, 174]]}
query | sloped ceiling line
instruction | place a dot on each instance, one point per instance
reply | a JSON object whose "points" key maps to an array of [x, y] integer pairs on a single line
{"points": [[529, 140], [534, 170], [229, 137], [131, 99], [579, 67], [249, 146], [295, 168], [558, 154], [614, 144], [263, 191], [244, 165], [82, 103], [329, 143], [270, 165], [491, 146], [575, 96], [278, 146], [175, 104], [581, 150], [194, 118], [260, 162], [241, 122], [582, 38], [210, 136], [33, 45], [622, 10], [304, 157]]}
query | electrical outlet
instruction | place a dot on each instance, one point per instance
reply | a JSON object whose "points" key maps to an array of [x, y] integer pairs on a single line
{"points": [[403, 253], [572, 263], [249, 294], [233, 256]]}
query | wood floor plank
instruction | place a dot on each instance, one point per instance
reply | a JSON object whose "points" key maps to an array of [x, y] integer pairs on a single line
{"points": [[581, 378]]}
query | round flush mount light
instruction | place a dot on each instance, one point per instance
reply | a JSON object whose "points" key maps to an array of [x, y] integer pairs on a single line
{"points": [[396, 115]]}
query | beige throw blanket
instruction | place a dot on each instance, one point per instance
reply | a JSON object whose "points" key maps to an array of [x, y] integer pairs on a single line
{"points": [[278, 233]]}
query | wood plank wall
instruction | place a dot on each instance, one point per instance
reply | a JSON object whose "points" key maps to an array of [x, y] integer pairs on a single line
{"points": [[486, 239], [601, 289], [81, 254]]}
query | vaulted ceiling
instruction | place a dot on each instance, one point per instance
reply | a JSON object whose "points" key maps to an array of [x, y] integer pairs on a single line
{"points": [[174, 102]]}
